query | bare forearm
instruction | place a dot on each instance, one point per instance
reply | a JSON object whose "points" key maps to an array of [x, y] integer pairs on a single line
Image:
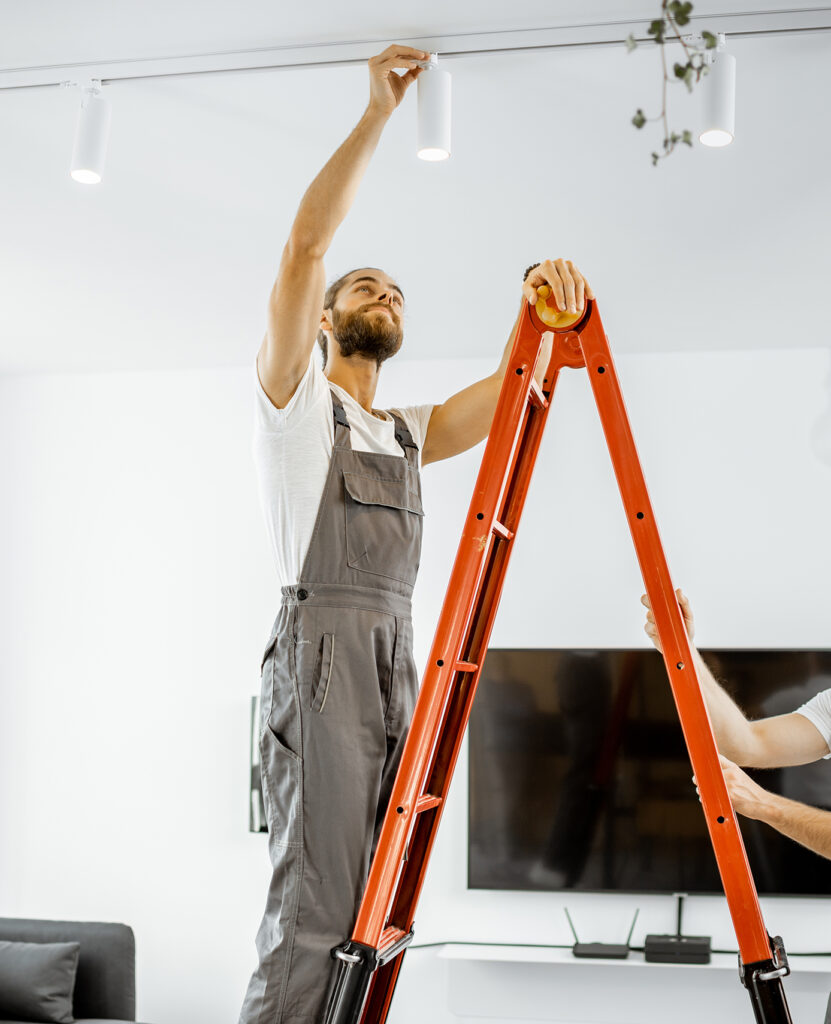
{"points": [[545, 354], [733, 732], [807, 825], [330, 196]]}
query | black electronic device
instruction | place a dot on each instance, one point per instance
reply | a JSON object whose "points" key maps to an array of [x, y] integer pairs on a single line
{"points": [[601, 950], [678, 948]]}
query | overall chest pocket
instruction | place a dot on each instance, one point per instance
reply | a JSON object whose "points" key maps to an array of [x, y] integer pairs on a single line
{"points": [[383, 526]]}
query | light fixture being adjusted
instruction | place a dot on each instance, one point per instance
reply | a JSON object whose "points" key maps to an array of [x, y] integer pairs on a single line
{"points": [[433, 111], [91, 135], [719, 97]]}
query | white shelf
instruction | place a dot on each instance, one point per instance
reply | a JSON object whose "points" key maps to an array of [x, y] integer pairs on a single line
{"points": [[559, 955]]}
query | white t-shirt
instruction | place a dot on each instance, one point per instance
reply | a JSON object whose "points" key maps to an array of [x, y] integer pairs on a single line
{"points": [[292, 451], [818, 711]]}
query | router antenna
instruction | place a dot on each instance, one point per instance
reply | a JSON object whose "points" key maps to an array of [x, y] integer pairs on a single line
{"points": [[632, 927], [680, 897]]}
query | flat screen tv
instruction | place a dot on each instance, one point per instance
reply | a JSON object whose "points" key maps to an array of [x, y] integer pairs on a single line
{"points": [[580, 780]]}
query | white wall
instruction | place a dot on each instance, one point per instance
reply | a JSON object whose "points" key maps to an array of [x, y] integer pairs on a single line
{"points": [[137, 595]]}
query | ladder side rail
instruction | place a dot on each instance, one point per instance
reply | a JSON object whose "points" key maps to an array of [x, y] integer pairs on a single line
{"points": [[458, 711], [454, 725], [381, 990], [465, 579], [742, 899]]}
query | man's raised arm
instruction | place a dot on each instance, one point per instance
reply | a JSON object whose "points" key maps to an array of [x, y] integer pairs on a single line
{"points": [[296, 300], [767, 743]]}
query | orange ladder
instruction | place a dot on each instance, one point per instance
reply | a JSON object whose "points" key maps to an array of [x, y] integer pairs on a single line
{"points": [[368, 963]]}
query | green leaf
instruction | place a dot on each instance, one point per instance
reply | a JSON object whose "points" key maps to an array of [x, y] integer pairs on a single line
{"points": [[680, 12], [631, 43], [686, 138], [710, 40], [680, 70], [639, 120], [688, 79], [657, 29], [655, 159]]}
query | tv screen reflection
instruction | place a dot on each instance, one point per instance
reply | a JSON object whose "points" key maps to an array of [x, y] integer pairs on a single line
{"points": [[580, 779]]}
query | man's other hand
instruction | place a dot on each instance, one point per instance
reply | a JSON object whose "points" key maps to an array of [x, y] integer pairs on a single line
{"points": [[746, 797], [568, 286], [386, 87], [651, 629]]}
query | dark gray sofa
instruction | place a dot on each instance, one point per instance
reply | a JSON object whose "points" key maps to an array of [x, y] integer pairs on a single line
{"points": [[105, 986]]}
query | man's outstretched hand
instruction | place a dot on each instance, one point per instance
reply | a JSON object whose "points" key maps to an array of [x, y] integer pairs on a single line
{"points": [[569, 287], [746, 796], [386, 86], [651, 629]]}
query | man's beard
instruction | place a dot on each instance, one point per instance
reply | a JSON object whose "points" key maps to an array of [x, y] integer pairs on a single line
{"points": [[367, 332]]}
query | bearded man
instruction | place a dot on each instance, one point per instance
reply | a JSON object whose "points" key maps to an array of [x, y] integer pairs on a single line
{"points": [[341, 492]]}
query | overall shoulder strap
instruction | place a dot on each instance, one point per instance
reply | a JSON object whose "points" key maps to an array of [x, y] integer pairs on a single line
{"points": [[405, 439], [342, 428]]}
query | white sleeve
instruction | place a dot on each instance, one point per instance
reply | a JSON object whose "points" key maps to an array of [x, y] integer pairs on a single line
{"points": [[311, 390], [818, 712]]}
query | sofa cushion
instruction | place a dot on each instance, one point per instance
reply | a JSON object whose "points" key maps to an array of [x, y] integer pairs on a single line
{"points": [[105, 988], [37, 980]]}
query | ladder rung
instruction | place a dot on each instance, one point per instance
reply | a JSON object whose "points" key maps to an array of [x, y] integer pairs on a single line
{"points": [[389, 937], [392, 942], [426, 802], [537, 397], [466, 666], [502, 531]]}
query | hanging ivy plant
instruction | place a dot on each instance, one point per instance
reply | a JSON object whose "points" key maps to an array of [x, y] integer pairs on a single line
{"points": [[675, 14]]}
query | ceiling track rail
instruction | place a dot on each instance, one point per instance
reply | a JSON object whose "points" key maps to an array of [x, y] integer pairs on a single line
{"points": [[750, 24]]}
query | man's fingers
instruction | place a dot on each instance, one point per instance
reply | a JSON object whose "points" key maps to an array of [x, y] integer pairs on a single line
{"points": [[399, 50], [549, 272], [645, 600], [568, 285], [399, 62], [581, 285]]}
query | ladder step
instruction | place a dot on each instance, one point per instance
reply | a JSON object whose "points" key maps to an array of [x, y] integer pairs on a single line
{"points": [[502, 531], [466, 666], [537, 397], [392, 942], [427, 802], [389, 937]]}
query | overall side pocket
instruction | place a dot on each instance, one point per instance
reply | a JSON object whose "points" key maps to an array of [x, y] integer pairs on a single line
{"points": [[323, 676]]}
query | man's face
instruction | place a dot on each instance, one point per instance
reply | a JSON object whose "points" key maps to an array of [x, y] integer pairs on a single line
{"points": [[366, 318]]}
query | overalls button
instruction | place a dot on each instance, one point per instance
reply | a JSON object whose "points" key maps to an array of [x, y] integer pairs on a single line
{"points": [[302, 595]]}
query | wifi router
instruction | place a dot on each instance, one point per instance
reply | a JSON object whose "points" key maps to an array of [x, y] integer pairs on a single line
{"points": [[601, 950]]}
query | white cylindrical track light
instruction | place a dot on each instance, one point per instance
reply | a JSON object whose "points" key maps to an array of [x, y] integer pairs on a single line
{"points": [[91, 136], [719, 96], [434, 112]]}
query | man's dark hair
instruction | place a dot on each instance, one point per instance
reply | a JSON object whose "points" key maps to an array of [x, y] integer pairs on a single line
{"points": [[328, 302]]}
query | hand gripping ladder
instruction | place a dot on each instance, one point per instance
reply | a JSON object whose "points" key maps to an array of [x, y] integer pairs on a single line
{"points": [[368, 963]]}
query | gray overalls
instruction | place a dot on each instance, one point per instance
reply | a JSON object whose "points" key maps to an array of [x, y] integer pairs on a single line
{"points": [[338, 689]]}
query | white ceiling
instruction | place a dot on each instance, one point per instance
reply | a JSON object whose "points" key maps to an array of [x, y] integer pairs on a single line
{"points": [[168, 262]]}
